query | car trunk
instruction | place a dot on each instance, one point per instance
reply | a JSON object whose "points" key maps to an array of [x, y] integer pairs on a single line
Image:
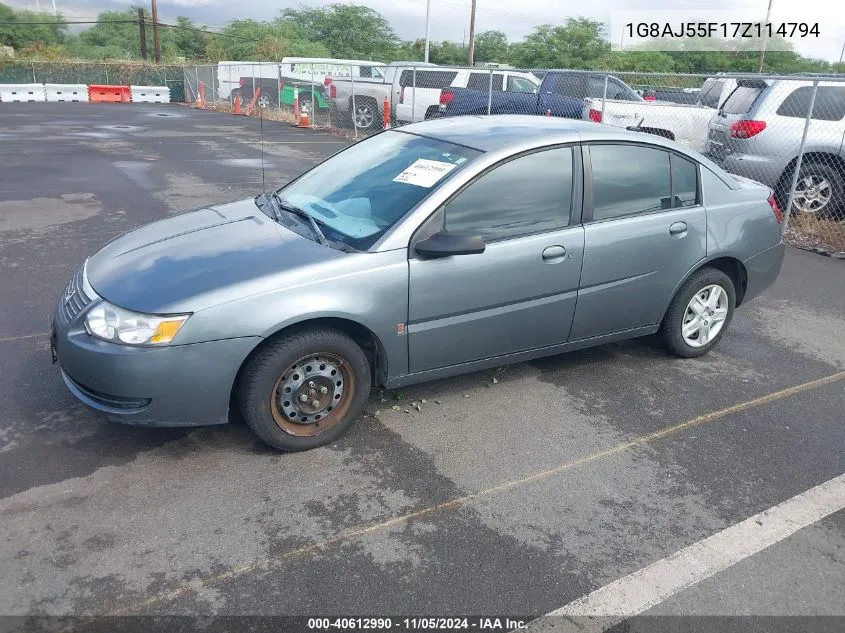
{"points": [[732, 128]]}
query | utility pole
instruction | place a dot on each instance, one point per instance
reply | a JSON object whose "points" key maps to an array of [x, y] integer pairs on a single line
{"points": [[765, 38], [142, 30], [471, 52], [156, 43], [427, 25]]}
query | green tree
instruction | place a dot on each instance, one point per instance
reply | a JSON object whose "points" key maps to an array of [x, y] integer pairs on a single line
{"points": [[576, 44], [348, 31], [22, 28], [491, 46]]}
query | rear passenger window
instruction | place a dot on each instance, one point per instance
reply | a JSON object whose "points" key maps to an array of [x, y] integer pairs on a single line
{"points": [[684, 182], [629, 179], [427, 78], [829, 105], [481, 81], [741, 99]]}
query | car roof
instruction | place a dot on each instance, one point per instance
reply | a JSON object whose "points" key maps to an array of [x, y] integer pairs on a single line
{"points": [[501, 131], [512, 133]]}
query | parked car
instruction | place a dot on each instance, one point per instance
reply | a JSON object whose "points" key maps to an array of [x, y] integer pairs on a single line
{"points": [[686, 123], [561, 93], [416, 94], [370, 93], [308, 76], [292, 304], [758, 131]]}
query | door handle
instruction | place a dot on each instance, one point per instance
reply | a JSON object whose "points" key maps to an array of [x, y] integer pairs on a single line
{"points": [[678, 229], [554, 254]]}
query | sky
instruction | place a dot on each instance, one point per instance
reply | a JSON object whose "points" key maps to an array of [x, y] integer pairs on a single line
{"points": [[450, 18]]}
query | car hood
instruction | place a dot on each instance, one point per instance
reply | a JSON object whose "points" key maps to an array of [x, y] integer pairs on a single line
{"points": [[196, 259]]}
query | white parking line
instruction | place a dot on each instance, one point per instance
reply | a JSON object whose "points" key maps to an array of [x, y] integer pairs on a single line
{"points": [[653, 584]]}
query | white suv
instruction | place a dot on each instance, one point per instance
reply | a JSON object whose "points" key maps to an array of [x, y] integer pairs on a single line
{"points": [[421, 100]]}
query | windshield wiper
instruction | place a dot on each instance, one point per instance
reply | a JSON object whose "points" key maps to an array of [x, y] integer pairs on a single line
{"points": [[291, 208]]}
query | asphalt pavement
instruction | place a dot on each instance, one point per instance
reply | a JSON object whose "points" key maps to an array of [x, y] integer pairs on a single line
{"points": [[516, 490]]}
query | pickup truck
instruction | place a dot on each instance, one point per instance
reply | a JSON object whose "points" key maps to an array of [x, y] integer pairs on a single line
{"points": [[370, 93], [687, 124], [303, 73], [561, 94]]}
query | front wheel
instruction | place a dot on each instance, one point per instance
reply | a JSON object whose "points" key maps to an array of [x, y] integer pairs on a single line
{"points": [[305, 389], [699, 314], [263, 101]]}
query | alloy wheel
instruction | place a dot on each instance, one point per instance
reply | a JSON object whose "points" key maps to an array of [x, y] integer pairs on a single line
{"points": [[364, 116], [705, 315], [812, 194]]}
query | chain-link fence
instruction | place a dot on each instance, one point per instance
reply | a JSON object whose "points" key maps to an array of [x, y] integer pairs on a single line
{"points": [[787, 132], [109, 73]]}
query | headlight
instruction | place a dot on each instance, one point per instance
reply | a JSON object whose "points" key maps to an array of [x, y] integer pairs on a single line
{"points": [[117, 325]]}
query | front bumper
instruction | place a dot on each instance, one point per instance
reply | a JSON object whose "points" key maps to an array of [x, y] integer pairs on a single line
{"points": [[180, 385]]}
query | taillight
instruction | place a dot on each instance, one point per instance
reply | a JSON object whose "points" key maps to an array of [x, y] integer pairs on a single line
{"points": [[595, 115], [327, 81], [747, 129], [333, 91], [650, 98], [446, 97], [775, 209], [241, 82]]}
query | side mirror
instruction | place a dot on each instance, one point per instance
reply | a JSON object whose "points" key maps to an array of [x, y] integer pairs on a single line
{"points": [[446, 244]]}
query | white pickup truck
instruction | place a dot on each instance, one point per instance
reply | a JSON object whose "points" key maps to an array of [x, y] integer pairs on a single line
{"points": [[687, 124]]}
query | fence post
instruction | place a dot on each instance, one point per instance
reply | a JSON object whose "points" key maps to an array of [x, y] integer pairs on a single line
{"points": [[490, 92], [604, 97], [33, 73], [107, 74], [313, 109], [414, 94], [354, 105], [791, 199]]}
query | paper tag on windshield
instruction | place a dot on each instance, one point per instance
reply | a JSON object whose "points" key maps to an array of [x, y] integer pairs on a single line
{"points": [[424, 173]]}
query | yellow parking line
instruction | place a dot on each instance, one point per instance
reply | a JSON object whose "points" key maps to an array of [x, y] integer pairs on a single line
{"points": [[267, 563]]}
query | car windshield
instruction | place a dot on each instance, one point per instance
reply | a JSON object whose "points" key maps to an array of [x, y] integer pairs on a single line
{"points": [[361, 192]]}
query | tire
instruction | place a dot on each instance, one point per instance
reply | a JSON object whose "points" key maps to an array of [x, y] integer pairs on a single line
{"points": [[684, 316], [365, 113], [263, 101], [335, 363], [820, 191]]}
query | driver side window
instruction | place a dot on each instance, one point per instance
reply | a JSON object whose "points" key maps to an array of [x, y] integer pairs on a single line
{"points": [[528, 194]]}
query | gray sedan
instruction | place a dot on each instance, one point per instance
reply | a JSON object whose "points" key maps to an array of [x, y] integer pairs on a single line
{"points": [[432, 250]]}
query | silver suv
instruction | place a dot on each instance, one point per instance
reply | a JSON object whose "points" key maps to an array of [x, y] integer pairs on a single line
{"points": [[757, 133]]}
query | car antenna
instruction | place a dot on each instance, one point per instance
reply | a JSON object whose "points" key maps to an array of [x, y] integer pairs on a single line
{"points": [[261, 132]]}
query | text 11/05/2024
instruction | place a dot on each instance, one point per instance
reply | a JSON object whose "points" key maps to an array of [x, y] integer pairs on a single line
{"points": [[460, 623]]}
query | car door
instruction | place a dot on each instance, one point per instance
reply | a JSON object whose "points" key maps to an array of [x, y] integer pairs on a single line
{"points": [[563, 95], [644, 229], [518, 294]]}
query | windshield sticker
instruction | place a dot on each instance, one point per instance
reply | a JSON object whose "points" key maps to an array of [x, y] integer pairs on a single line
{"points": [[424, 173]]}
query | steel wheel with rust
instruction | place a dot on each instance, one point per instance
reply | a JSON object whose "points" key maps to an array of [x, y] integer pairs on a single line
{"points": [[304, 390]]}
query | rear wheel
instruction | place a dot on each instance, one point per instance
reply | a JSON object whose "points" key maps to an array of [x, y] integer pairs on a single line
{"points": [[304, 390], [263, 101], [819, 191], [699, 314], [365, 112]]}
